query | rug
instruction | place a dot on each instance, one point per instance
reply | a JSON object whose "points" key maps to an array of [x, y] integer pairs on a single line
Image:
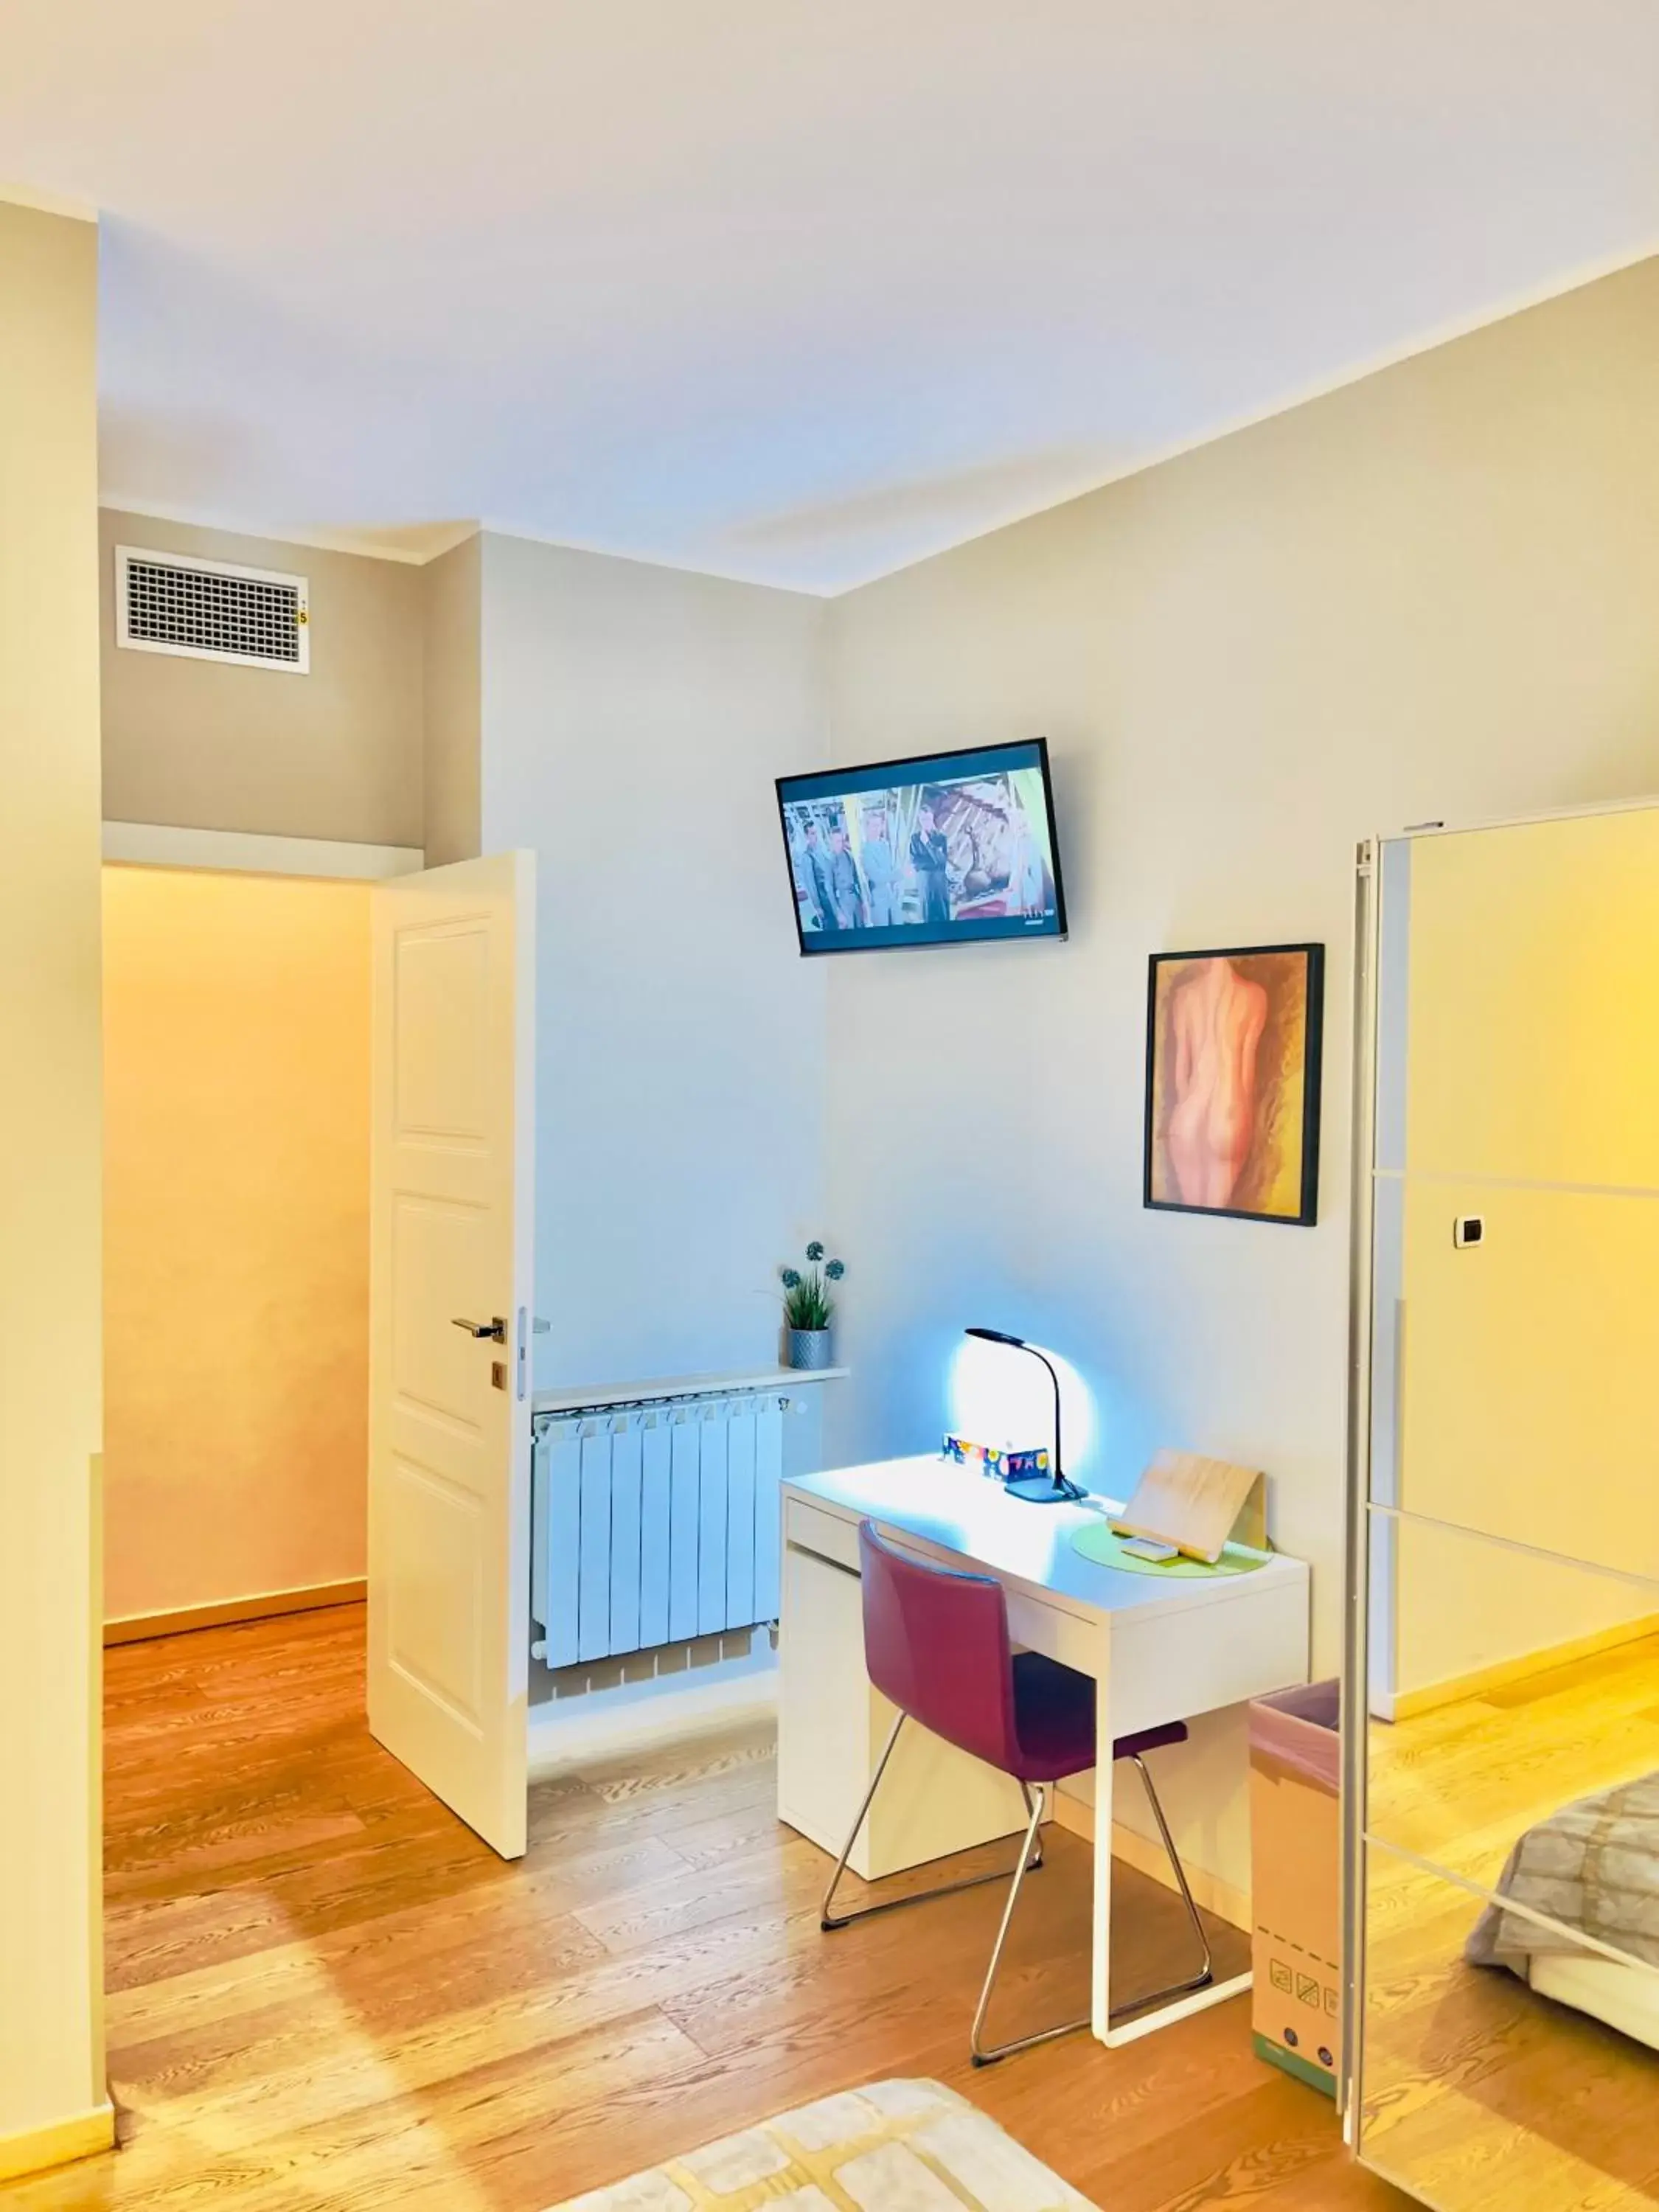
{"points": [[895, 2147]]}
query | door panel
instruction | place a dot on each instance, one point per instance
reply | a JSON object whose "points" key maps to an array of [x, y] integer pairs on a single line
{"points": [[449, 1427], [435, 1590]]}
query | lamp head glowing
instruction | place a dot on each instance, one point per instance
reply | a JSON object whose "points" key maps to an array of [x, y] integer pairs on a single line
{"points": [[1036, 1489]]}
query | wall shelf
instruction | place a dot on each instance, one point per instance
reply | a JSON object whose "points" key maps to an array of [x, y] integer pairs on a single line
{"points": [[595, 1397]]}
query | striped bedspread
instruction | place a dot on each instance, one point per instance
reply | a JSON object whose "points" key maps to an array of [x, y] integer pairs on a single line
{"points": [[1593, 1867]]}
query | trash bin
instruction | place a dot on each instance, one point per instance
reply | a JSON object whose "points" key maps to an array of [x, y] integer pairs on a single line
{"points": [[1296, 1879]]}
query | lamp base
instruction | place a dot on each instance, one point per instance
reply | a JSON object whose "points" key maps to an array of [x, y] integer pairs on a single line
{"points": [[1043, 1490]]}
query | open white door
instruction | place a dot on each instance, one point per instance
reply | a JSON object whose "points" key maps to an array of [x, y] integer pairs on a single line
{"points": [[451, 1215]]}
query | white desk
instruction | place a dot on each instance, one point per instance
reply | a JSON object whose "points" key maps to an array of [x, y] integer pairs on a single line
{"points": [[1159, 1649]]}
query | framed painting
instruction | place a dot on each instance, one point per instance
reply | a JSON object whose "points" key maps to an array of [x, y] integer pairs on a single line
{"points": [[1232, 1081]]}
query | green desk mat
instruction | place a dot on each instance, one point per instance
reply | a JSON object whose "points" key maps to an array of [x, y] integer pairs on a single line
{"points": [[1098, 1543]]}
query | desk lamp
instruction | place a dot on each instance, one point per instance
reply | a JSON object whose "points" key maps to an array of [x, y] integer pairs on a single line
{"points": [[1036, 1489]]}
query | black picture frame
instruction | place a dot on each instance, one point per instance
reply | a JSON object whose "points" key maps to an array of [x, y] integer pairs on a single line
{"points": [[1313, 1041]]}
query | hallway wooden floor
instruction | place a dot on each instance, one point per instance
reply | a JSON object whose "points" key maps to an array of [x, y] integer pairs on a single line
{"points": [[324, 1991]]}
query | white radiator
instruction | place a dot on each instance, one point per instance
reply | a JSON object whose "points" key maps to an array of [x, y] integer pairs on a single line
{"points": [[655, 1523]]}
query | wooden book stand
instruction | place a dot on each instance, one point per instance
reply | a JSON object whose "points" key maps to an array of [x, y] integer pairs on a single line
{"points": [[1198, 1505]]}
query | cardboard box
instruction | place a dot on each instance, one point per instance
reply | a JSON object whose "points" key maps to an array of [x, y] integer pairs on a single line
{"points": [[1296, 1879]]}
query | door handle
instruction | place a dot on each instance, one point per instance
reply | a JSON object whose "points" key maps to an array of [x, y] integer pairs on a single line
{"points": [[492, 1332]]}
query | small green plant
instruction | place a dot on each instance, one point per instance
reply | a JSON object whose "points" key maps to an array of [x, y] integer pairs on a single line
{"points": [[807, 1301]]}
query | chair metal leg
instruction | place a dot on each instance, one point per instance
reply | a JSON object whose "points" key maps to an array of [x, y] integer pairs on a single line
{"points": [[1030, 1859], [829, 1921], [1206, 1974], [984, 2055]]}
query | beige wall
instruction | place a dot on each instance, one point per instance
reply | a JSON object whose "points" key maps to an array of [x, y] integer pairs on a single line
{"points": [[1429, 595], [236, 1030], [635, 718], [51, 1965], [334, 754], [452, 587]]}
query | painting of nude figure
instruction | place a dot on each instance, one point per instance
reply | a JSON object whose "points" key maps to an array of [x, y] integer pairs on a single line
{"points": [[1232, 1081]]}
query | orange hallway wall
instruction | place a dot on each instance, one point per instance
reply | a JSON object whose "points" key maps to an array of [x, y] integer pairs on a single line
{"points": [[236, 1037]]}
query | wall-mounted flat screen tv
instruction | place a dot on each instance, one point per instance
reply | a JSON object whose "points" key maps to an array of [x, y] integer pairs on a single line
{"points": [[937, 850]]}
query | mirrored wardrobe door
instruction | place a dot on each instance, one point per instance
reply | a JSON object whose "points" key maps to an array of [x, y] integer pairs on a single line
{"points": [[1505, 2046]]}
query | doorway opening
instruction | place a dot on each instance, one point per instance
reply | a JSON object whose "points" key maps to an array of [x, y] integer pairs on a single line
{"points": [[319, 1140], [237, 1102]]}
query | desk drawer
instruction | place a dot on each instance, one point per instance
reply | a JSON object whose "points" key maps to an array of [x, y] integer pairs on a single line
{"points": [[811, 1529], [1032, 1625], [1174, 1667]]}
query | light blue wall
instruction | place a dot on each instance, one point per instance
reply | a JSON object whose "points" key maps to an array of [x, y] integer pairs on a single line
{"points": [[634, 720]]}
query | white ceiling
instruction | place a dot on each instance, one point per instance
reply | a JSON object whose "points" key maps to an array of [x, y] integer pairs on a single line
{"points": [[792, 291]]}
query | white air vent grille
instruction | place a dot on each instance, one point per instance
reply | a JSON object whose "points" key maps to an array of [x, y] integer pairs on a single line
{"points": [[211, 610]]}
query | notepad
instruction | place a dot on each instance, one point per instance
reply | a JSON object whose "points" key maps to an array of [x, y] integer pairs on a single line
{"points": [[1148, 1547]]}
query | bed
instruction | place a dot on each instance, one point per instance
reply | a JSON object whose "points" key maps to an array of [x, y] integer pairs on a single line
{"points": [[1592, 1872]]}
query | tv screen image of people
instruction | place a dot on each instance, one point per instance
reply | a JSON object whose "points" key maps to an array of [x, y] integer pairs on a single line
{"points": [[942, 849]]}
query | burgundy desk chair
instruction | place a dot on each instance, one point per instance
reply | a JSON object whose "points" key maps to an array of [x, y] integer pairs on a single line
{"points": [[936, 1645]]}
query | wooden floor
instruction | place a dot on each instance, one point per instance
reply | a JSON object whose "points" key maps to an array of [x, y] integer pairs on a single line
{"points": [[1459, 1785], [1492, 2097], [324, 1991], [1488, 2096]]}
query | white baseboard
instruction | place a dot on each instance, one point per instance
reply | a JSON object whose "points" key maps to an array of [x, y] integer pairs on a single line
{"points": [[564, 1736], [36, 2150], [1395, 1705], [1215, 1893], [266, 1605]]}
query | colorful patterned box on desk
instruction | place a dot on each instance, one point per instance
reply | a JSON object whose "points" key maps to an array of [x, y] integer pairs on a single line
{"points": [[1001, 1462]]}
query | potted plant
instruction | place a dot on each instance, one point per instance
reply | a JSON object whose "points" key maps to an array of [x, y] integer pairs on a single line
{"points": [[808, 1308]]}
